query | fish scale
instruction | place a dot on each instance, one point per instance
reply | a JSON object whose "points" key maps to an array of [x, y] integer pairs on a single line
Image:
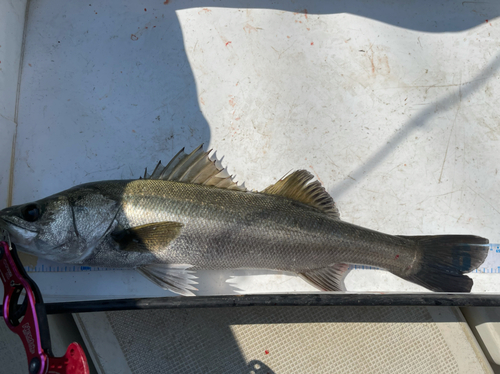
{"points": [[257, 230]]}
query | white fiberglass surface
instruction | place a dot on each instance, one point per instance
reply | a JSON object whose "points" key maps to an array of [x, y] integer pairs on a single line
{"points": [[392, 106]]}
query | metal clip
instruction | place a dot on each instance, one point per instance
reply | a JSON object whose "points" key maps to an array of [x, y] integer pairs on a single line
{"points": [[5, 237]]}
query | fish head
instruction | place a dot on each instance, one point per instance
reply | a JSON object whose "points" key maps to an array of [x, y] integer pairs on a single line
{"points": [[64, 228], [43, 228]]}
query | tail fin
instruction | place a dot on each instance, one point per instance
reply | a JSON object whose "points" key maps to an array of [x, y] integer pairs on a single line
{"points": [[445, 258]]}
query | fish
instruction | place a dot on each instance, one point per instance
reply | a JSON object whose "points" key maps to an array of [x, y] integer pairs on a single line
{"points": [[191, 215]]}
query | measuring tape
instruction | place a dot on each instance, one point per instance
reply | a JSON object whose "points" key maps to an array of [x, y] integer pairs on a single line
{"points": [[492, 263], [490, 266], [43, 266]]}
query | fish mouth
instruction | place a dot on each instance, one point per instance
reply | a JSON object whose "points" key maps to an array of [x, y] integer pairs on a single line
{"points": [[6, 221], [20, 235]]}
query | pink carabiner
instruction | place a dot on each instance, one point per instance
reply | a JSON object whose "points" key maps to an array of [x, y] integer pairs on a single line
{"points": [[25, 321]]}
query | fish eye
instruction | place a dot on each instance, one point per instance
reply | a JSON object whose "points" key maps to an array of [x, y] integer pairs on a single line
{"points": [[30, 213]]}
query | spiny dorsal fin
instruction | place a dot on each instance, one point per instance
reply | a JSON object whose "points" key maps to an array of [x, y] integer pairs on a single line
{"points": [[296, 187], [196, 167]]}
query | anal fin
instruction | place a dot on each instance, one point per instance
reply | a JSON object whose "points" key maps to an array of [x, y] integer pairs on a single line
{"points": [[330, 278], [173, 277]]}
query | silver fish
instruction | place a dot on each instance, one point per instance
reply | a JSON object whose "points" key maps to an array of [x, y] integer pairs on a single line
{"points": [[190, 215]]}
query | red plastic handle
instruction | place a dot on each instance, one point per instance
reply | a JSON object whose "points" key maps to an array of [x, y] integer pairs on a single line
{"points": [[73, 362]]}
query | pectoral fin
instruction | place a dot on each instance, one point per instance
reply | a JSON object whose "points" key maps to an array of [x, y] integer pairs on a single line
{"points": [[152, 237], [330, 278], [173, 277]]}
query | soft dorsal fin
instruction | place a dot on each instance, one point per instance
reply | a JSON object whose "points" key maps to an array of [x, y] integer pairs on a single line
{"points": [[196, 167], [296, 186]]}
